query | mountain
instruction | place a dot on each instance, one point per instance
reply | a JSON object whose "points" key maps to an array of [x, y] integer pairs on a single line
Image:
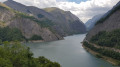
{"points": [[66, 20], [65, 23], [30, 27], [104, 38], [107, 23], [90, 23]]}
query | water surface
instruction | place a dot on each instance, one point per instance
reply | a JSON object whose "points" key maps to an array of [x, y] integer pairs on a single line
{"points": [[68, 52]]}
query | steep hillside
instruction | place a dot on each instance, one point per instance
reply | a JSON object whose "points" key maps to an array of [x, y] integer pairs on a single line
{"points": [[66, 20], [104, 38], [90, 23], [108, 23], [28, 25], [65, 23]]}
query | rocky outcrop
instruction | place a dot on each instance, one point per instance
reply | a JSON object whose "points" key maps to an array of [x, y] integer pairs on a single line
{"points": [[27, 26], [63, 20], [112, 22]]}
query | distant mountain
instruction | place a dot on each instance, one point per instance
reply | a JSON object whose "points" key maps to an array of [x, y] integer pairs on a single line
{"points": [[64, 22], [90, 23]]}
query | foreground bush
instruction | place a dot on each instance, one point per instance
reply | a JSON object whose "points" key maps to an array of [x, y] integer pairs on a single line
{"points": [[16, 55]]}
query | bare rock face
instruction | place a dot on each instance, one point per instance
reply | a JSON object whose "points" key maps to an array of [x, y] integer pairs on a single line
{"points": [[27, 26], [63, 20], [30, 28], [111, 23], [5, 15]]}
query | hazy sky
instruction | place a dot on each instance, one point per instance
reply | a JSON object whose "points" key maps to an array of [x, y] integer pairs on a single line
{"points": [[84, 9]]}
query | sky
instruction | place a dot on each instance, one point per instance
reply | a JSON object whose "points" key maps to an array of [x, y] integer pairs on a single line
{"points": [[84, 9]]}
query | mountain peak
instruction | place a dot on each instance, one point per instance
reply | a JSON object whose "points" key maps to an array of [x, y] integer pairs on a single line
{"points": [[64, 21], [118, 3], [50, 9], [9, 0]]}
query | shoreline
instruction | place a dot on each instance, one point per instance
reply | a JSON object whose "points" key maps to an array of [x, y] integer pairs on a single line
{"points": [[108, 59], [36, 41]]}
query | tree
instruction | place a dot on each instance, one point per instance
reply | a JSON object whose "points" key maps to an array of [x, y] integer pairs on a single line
{"points": [[16, 55]]}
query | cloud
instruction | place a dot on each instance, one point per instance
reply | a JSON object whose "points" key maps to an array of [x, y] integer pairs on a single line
{"points": [[88, 9], [2, 0], [84, 10]]}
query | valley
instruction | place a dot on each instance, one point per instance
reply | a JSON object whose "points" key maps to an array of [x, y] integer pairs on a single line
{"points": [[61, 35]]}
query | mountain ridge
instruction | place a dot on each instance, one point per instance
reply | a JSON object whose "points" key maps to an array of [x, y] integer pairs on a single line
{"points": [[63, 24], [104, 37], [111, 23], [28, 25], [90, 23]]}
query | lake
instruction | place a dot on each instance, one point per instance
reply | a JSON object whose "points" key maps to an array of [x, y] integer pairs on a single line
{"points": [[68, 52]]}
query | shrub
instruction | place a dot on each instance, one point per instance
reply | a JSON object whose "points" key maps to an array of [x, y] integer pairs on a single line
{"points": [[16, 55], [108, 39], [8, 34], [36, 37]]}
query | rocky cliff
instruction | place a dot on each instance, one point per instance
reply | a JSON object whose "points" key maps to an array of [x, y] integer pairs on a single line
{"points": [[28, 25], [65, 23], [108, 23]]}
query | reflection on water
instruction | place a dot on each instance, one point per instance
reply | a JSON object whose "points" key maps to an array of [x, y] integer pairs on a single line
{"points": [[68, 52]]}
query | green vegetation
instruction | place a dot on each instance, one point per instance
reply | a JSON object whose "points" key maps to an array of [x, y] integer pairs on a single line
{"points": [[98, 56], [106, 17], [7, 34], [3, 24], [16, 55], [42, 23], [108, 39], [23, 15], [103, 51], [3, 6], [12, 34], [50, 9], [36, 37], [40, 16]]}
